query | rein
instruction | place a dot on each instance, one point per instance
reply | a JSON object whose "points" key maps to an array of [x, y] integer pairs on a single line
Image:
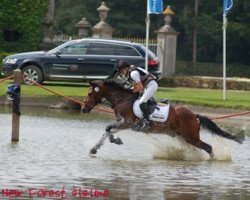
{"points": [[116, 100]]}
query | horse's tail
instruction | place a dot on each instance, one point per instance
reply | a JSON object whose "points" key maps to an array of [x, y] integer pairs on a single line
{"points": [[211, 126]]}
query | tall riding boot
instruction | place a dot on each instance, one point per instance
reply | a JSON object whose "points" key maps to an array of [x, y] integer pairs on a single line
{"points": [[145, 120]]}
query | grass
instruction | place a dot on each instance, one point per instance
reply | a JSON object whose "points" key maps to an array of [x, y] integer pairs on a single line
{"points": [[207, 97], [69, 89], [203, 97]]}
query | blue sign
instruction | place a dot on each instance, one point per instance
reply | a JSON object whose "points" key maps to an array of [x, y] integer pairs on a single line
{"points": [[155, 6], [227, 5]]}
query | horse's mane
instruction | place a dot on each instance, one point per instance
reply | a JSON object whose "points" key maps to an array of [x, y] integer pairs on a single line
{"points": [[116, 85]]}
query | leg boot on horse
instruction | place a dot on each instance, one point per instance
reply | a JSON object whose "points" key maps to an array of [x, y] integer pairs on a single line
{"points": [[145, 120]]}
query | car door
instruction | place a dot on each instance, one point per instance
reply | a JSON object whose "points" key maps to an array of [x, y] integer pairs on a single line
{"points": [[67, 63], [99, 62]]}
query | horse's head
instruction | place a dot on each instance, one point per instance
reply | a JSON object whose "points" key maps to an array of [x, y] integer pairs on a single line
{"points": [[94, 96], [111, 90]]}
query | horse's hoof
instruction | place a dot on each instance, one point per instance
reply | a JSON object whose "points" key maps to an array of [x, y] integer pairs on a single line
{"points": [[118, 141], [93, 151], [212, 156]]}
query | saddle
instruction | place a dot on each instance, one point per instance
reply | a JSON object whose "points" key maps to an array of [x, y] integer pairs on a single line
{"points": [[156, 113], [152, 104]]}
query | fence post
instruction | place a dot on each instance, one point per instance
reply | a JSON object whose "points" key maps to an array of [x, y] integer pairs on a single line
{"points": [[17, 79], [166, 45]]}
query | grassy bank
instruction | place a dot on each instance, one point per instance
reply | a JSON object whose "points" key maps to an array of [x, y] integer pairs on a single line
{"points": [[187, 68], [203, 97]]}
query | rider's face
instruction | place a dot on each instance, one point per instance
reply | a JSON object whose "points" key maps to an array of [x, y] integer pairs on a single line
{"points": [[124, 71]]}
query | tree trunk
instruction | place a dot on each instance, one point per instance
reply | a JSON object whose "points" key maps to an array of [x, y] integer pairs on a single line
{"points": [[196, 4]]}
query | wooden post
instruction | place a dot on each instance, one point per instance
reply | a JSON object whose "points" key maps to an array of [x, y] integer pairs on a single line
{"points": [[17, 79]]}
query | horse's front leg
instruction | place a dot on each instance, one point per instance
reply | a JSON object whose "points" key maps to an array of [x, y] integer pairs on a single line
{"points": [[114, 128], [100, 143], [110, 130]]}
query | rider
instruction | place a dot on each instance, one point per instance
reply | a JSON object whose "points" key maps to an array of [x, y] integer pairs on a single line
{"points": [[142, 82]]}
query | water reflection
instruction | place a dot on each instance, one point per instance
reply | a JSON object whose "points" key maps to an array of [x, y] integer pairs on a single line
{"points": [[53, 153]]}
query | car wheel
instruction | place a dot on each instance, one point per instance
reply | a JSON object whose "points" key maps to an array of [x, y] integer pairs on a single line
{"points": [[32, 72]]}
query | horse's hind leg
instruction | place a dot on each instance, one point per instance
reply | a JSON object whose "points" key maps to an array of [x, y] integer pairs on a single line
{"points": [[207, 148], [190, 131], [201, 145]]}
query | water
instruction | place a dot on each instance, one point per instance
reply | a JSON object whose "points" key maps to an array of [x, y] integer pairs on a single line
{"points": [[53, 154]]}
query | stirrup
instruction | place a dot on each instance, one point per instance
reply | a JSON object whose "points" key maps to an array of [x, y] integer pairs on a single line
{"points": [[144, 125]]}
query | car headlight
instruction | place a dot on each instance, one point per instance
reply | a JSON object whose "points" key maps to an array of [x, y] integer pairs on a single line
{"points": [[10, 61]]}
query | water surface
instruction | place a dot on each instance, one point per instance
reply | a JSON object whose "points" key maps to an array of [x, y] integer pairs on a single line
{"points": [[53, 154]]}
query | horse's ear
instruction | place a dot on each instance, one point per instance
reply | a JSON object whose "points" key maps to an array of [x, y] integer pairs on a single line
{"points": [[93, 83]]}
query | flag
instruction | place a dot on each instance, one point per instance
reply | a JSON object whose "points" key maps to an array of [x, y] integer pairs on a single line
{"points": [[155, 6], [227, 5]]}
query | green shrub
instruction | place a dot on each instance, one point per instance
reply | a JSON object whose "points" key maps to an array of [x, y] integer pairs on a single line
{"points": [[3, 55], [211, 69], [21, 24]]}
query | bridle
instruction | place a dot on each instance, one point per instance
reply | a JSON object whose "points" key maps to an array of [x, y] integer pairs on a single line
{"points": [[94, 99]]}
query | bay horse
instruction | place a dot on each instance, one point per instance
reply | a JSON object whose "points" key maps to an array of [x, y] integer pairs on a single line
{"points": [[181, 121]]}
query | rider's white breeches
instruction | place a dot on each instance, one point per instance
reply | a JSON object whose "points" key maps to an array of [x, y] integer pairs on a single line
{"points": [[149, 91]]}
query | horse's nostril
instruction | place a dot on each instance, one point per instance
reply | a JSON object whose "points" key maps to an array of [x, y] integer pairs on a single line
{"points": [[84, 110]]}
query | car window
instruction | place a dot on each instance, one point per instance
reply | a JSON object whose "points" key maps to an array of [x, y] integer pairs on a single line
{"points": [[142, 50], [126, 51], [75, 49], [100, 49]]}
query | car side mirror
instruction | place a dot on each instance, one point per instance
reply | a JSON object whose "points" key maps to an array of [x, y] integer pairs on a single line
{"points": [[58, 53]]}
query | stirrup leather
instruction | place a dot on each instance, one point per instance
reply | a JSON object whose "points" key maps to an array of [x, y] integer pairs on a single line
{"points": [[144, 124]]}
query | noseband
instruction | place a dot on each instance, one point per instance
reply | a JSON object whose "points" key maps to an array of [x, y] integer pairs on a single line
{"points": [[95, 101]]}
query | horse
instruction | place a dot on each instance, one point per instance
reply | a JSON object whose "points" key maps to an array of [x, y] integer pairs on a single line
{"points": [[180, 122]]}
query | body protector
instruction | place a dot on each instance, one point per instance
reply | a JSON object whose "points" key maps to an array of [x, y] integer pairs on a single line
{"points": [[144, 75]]}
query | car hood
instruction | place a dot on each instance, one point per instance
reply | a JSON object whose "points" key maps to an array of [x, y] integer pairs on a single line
{"points": [[27, 55]]}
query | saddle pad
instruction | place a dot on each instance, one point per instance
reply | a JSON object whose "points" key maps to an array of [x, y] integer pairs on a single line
{"points": [[160, 114]]}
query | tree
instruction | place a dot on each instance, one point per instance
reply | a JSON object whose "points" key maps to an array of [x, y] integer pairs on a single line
{"points": [[21, 24], [127, 17], [200, 37]]}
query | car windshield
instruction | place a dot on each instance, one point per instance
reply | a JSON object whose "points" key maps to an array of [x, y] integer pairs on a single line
{"points": [[56, 49]]}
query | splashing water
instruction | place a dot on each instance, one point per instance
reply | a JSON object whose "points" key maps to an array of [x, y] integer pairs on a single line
{"points": [[175, 148]]}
